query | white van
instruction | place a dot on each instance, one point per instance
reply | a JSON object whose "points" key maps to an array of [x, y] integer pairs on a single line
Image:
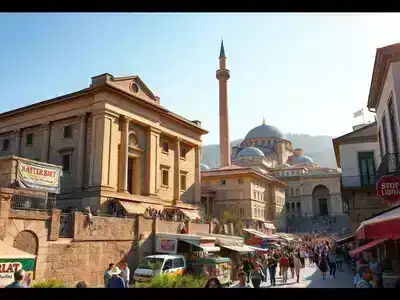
{"points": [[157, 264]]}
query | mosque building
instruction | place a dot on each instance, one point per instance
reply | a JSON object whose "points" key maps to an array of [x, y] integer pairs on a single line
{"points": [[265, 179]]}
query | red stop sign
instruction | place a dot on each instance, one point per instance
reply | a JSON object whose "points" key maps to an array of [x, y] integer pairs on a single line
{"points": [[388, 188]]}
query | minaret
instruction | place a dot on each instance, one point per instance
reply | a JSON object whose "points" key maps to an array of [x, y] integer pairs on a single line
{"points": [[223, 75]]}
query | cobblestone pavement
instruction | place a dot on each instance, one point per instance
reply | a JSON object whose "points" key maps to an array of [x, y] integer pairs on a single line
{"points": [[310, 277]]}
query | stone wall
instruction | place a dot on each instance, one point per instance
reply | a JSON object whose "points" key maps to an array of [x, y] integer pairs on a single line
{"points": [[89, 250]]}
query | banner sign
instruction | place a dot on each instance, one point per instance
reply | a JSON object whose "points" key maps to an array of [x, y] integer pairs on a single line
{"points": [[164, 245], [9, 266], [34, 175]]}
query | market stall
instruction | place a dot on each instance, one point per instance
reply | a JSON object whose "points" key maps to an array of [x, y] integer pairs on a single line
{"points": [[12, 260]]}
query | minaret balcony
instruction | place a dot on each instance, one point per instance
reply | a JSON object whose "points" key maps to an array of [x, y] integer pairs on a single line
{"points": [[223, 74]]}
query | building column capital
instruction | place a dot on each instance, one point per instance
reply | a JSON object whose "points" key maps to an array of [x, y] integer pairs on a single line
{"points": [[154, 130]]}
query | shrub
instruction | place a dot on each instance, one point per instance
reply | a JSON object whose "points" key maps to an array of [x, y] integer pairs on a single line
{"points": [[174, 281], [49, 284]]}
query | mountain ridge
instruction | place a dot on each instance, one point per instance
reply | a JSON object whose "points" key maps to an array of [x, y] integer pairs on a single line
{"points": [[319, 148]]}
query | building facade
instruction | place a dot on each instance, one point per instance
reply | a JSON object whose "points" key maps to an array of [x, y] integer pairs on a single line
{"points": [[115, 142], [383, 100], [358, 155]]}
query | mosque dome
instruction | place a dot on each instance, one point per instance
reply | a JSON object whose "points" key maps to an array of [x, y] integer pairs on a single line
{"points": [[283, 166], [303, 160], [264, 131], [251, 151], [204, 167]]}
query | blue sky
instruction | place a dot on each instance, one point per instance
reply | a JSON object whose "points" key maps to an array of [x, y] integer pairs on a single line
{"points": [[305, 73]]}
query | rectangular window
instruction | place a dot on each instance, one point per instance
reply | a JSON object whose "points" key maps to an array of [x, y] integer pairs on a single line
{"points": [[366, 164], [223, 182], [68, 131], [385, 135], [183, 182], [254, 211], [66, 161], [240, 180], [178, 263], [29, 139], [241, 211], [254, 195], [297, 192], [165, 177], [6, 144], [165, 146], [183, 152]]}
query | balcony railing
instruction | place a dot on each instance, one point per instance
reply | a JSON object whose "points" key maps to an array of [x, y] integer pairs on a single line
{"points": [[390, 165], [33, 202], [359, 181]]}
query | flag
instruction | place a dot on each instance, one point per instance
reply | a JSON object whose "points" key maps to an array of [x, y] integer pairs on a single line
{"points": [[358, 113]]}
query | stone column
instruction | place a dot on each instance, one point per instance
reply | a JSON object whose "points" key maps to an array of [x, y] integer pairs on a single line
{"points": [[197, 182], [46, 143], [152, 161], [55, 225], [137, 176], [18, 133], [123, 156], [81, 155], [177, 170]]}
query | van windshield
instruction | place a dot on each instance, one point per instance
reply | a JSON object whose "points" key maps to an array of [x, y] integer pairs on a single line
{"points": [[151, 263]]}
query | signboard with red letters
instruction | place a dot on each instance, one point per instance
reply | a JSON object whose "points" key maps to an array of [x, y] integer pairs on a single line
{"points": [[388, 188]]}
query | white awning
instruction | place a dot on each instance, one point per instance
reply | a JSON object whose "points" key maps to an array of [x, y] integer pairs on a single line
{"points": [[133, 207], [205, 248], [210, 248], [255, 232], [257, 249], [238, 248], [192, 214], [269, 226]]}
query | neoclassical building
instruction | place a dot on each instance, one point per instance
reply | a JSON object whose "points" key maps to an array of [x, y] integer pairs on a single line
{"points": [[116, 142]]}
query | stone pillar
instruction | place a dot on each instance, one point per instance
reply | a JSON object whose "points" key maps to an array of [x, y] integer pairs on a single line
{"points": [[152, 161], [18, 133], [177, 170], [46, 143], [5, 199], [137, 176], [123, 156], [55, 225], [197, 180], [81, 155]]}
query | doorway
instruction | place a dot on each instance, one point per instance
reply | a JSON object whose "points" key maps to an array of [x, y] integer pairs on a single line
{"points": [[130, 175], [323, 206]]}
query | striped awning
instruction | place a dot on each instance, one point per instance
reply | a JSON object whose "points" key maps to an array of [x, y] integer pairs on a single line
{"points": [[133, 207], [192, 214]]}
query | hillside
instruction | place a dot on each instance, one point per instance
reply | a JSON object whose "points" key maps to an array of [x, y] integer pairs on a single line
{"points": [[319, 148]]}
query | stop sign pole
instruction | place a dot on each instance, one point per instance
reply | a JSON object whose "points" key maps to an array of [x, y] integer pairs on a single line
{"points": [[388, 188]]}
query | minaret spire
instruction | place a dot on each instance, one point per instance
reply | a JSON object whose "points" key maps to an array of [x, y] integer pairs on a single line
{"points": [[223, 76], [263, 120], [222, 50]]}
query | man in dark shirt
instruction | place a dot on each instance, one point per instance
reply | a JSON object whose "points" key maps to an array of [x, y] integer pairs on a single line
{"points": [[18, 278]]}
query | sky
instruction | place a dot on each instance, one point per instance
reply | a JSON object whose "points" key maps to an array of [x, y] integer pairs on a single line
{"points": [[305, 73]]}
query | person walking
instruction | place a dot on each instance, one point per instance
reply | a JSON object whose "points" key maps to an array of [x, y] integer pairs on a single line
{"points": [[302, 257], [339, 259], [272, 264], [297, 265], [116, 281], [107, 274], [332, 263], [284, 265], [265, 267], [367, 276], [247, 269], [256, 275], [242, 282], [323, 265], [291, 265], [18, 279], [125, 273]]}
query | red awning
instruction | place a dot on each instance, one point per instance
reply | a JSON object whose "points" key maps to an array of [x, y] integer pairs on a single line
{"points": [[368, 246], [386, 225]]}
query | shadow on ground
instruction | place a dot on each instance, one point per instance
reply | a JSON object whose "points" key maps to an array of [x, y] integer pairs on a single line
{"points": [[343, 279]]}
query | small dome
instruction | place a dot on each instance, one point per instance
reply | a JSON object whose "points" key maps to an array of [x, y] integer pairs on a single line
{"points": [[303, 160], [283, 166], [264, 131], [204, 167], [251, 151]]}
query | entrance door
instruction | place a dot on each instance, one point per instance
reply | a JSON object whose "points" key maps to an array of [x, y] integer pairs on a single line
{"points": [[323, 206], [130, 175]]}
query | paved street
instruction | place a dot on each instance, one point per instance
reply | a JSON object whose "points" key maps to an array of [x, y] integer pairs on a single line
{"points": [[310, 277]]}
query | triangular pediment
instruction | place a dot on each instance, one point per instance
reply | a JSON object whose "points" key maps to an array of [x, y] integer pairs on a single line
{"points": [[135, 86]]}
